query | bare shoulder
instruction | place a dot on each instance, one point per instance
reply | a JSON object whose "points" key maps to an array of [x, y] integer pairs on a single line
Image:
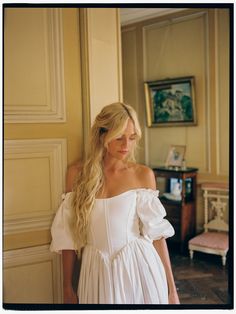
{"points": [[145, 177], [71, 175]]}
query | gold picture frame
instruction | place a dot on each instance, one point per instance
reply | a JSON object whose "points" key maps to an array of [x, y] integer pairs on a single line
{"points": [[170, 102]]}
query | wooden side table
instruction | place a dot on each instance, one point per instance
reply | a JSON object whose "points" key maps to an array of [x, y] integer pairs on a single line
{"points": [[181, 213]]}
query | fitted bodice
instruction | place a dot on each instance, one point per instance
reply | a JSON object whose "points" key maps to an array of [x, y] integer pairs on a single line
{"points": [[114, 222], [119, 263]]}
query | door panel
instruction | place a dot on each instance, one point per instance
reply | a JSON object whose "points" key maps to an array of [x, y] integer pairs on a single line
{"points": [[31, 275], [43, 134]]}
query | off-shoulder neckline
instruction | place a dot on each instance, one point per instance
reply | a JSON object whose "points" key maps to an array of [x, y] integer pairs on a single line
{"points": [[122, 194], [118, 195]]}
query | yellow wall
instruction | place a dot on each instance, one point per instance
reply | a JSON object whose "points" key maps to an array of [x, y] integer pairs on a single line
{"points": [[72, 129], [104, 55], [101, 61], [189, 43], [43, 134]]}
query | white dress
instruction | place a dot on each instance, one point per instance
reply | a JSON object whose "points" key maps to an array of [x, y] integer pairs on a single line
{"points": [[119, 264]]}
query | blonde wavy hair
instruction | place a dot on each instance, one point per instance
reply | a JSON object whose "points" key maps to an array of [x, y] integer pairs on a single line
{"points": [[109, 124]]}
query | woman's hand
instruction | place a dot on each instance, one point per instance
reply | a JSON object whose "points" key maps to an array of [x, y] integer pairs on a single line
{"points": [[173, 298], [70, 296]]}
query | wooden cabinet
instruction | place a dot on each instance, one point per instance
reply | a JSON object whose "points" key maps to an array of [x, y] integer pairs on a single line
{"points": [[181, 212]]}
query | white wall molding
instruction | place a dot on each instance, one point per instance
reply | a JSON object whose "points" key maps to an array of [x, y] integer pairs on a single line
{"points": [[130, 15], [173, 20], [53, 149], [28, 224], [54, 108]]}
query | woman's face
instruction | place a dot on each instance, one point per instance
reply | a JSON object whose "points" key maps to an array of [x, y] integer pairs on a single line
{"points": [[120, 147]]}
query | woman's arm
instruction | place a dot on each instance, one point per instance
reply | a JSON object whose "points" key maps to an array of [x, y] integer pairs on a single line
{"points": [[149, 181], [69, 256], [68, 262], [162, 250]]}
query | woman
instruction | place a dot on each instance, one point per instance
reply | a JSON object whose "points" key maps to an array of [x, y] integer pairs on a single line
{"points": [[111, 213]]}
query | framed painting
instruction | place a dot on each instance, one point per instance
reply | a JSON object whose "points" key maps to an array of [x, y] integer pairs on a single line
{"points": [[170, 102], [175, 156]]}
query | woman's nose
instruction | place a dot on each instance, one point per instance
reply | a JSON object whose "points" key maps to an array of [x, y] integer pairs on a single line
{"points": [[125, 143]]}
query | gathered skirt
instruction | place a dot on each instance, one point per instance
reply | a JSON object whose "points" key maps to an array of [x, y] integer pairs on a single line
{"points": [[134, 275]]}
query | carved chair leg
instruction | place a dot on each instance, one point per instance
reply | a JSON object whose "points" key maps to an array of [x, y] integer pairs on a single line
{"points": [[191, 254], [224, 260]]}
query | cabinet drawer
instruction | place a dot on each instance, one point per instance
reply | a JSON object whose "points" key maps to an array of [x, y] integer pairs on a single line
{"points": [[172, 211]]}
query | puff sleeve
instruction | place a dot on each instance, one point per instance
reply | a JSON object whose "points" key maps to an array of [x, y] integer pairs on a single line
{"points": [[151, 213], [61, 230]]}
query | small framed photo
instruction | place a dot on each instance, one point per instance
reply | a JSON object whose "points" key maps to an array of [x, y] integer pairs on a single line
{"points": [[175, 156], [170, 102]]}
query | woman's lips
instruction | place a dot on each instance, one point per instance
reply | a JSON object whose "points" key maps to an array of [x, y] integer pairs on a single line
{"points": [[123, 151]]}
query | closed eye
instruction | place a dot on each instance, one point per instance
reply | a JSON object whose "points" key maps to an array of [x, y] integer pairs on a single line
{"points": [[133, 137]]}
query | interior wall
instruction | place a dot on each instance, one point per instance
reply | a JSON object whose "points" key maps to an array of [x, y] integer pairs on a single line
{"points": [[104, 54], [101, 61], [43, 134], [190, 43], [163, 47], [71, 129]]}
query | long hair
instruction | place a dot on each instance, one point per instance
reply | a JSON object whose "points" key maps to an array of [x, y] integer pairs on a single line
{"points": [[109, 124]]}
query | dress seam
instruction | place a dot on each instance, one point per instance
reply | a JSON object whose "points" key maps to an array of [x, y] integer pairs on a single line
{"points": [[128, 222], [108, 228]]}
